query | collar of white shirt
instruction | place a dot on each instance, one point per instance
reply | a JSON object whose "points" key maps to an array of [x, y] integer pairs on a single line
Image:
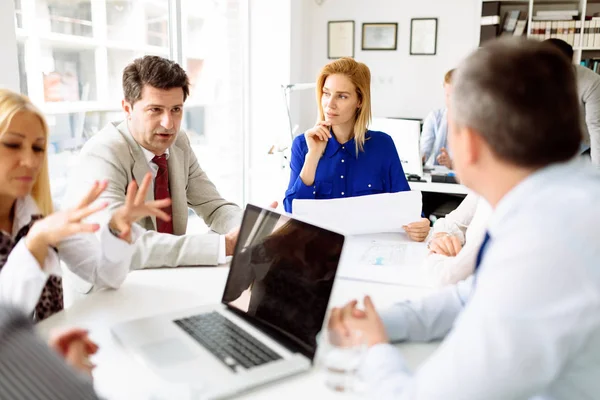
{"points": [[150, 155]]}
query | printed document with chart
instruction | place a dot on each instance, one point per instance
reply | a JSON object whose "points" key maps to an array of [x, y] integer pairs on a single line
{"points": [[377, 248], [378, 213]]}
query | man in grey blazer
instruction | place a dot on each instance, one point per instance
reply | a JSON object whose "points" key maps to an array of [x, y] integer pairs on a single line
{"points": [[588, 87], [150, 139]]}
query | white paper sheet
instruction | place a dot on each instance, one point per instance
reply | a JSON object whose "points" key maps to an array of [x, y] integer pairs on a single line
{"points": [[378, 213], [390, 258]]}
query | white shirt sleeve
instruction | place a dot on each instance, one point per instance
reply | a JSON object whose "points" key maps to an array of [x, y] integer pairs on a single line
{"points": [[101, 259], [445, 270], [22, 280], [457, 222], [428, 319]]}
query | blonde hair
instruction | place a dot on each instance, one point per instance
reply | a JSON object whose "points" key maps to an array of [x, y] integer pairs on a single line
{"points": [[448, 77], [360, 76], [11, 104]]}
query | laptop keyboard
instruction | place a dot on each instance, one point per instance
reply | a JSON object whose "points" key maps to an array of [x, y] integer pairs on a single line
{"points": [[235, 347]]}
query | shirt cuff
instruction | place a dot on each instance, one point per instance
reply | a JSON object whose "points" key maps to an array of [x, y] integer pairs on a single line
{"points": [[382, 361], [52, 263], [394, 322], [302, 191], [221, 257], [22, 280], [136, 232], [113, 248]]}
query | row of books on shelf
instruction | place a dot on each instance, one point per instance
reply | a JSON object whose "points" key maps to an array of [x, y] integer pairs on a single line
{"points": [[592, 63], [569, 31]]}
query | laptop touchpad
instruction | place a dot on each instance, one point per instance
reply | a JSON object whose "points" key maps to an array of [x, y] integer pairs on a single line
{"points": [[168, 352]]}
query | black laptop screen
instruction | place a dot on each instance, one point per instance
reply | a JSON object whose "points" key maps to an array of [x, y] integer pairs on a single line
{"points": [[282, 275]]}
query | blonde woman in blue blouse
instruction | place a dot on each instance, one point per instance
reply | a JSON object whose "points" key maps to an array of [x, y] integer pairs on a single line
{"points": [[339, 157]]}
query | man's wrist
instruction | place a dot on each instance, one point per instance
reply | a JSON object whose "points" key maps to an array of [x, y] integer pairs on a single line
{"points": [[114, 230]]}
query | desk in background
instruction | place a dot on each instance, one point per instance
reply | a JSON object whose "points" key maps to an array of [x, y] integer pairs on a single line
{"points": [[434, 187]]}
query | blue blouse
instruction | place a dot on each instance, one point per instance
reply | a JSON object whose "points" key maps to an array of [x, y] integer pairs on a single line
{"points": [[341, 173]]}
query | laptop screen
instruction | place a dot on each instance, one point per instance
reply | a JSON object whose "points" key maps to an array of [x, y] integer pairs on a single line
{"points": [[282, 275]]}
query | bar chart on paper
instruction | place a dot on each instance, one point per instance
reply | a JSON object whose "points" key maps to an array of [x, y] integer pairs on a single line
{"points": [[387, 258], [385, 253]]}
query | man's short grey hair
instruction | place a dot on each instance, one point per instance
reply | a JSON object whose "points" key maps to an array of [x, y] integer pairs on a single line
{"points": [[521, 97]]}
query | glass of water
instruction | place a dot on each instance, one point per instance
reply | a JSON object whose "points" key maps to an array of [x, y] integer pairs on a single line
{"points": [[341, 356]]}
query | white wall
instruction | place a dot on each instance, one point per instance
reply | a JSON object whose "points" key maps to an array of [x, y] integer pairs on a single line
{"points": [[9, 67], [402, 85]]}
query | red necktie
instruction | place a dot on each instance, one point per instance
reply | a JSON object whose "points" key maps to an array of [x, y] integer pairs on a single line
{"points": [[161, 191]]}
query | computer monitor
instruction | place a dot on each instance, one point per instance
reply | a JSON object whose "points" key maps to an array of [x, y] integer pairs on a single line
{"points": [[406, 134]]}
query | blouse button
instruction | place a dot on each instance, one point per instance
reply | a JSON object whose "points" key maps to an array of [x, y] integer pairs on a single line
{"points": [[342, 160], [314, 192], [342, 193], [369, 185], [342, 176]]}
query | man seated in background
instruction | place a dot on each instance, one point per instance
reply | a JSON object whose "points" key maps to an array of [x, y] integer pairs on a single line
{"points": [[150, 140], [527, 324], [588, 85], [435, 131]]}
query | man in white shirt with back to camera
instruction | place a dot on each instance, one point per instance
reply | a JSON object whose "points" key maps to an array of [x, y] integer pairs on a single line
{"points": [[527, 324]]}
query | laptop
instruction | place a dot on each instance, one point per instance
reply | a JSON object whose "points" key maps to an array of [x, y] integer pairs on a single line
{"points": [[273, 306], [406, 134]]}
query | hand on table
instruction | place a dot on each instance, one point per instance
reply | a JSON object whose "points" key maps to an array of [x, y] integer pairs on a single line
{"points": [[349, 318], [445, 244]]}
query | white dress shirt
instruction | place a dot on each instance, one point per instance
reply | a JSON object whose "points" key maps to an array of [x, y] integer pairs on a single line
{"points": [[434, 135], [468, 223], [221, 258], [102, 260], [528, 326]]}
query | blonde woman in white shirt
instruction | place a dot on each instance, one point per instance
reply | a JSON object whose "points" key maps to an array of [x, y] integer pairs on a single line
{"points": [[456, 240], [33, 237]]}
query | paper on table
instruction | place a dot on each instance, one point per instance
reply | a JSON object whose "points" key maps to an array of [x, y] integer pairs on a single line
{"points": [[378, 213], [389, 258]]}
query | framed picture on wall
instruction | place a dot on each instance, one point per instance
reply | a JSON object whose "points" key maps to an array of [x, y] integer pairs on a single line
{"points": [[380, 36], [423, 36], [340, 39]]}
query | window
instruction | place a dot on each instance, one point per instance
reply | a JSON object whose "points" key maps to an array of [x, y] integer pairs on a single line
{"points": [[71, 57], [213, 51]]}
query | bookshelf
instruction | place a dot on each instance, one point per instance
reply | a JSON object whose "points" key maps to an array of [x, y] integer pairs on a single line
{"points": [[543, 19]]}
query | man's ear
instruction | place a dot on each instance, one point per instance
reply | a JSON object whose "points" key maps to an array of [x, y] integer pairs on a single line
{"points": [[472, 145], [127, 107]]}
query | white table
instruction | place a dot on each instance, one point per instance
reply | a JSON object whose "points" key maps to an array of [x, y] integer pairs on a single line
{"points": [[146, 292]]}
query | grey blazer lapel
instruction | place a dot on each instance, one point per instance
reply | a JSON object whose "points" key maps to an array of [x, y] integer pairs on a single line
{"points": [[177, 187], [140, 165]]}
